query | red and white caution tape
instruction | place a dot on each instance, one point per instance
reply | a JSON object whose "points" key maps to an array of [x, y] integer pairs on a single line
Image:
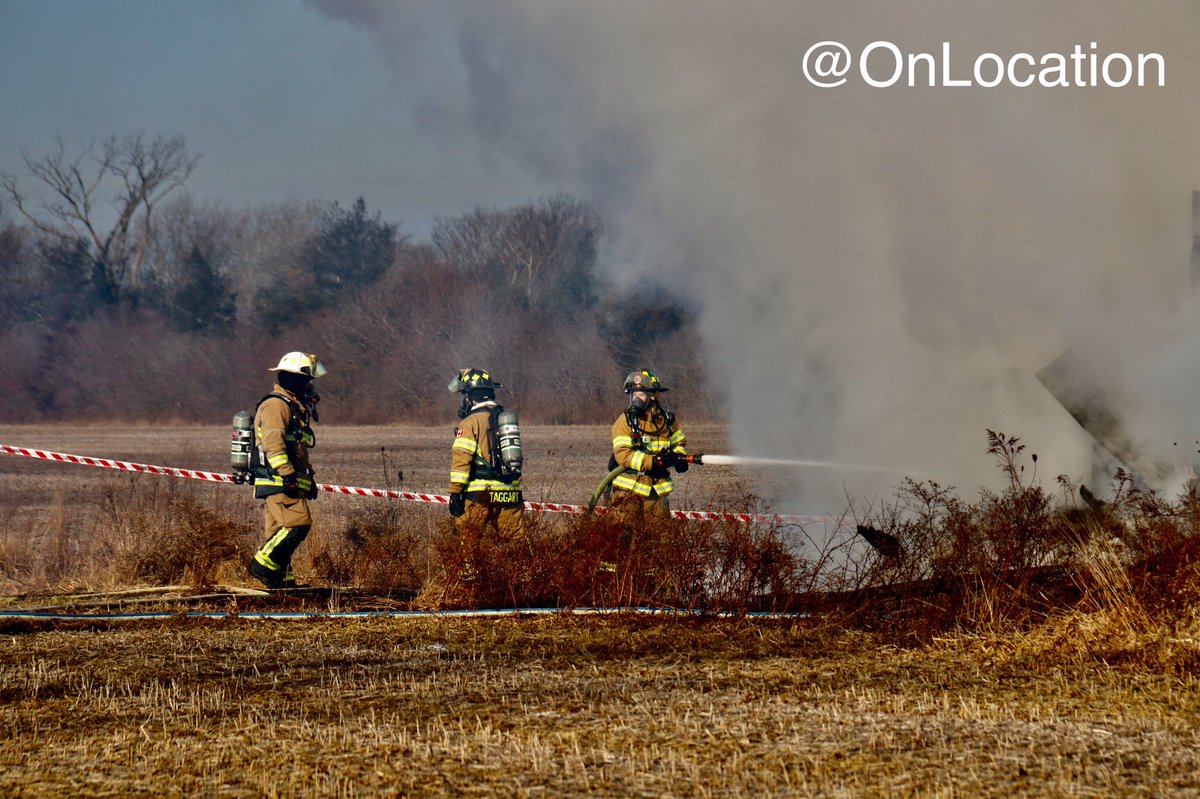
{"points": [[105, 463], [405, 496]]}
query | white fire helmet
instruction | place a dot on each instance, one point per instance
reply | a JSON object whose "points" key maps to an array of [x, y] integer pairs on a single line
{"points": [[301, 363]]}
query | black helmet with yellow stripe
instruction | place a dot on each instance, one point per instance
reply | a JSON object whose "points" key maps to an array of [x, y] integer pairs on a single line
{"points": [[643, 388], [475, 385], [645, 380], [472, 379]]}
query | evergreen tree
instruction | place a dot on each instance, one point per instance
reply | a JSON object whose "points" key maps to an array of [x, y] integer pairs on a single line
{"points": [[202, 300], [352, 250]]}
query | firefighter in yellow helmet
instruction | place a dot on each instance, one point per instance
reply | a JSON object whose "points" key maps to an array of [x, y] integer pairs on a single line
{"points": [[485, 466], [647, 442], [282, 473]]}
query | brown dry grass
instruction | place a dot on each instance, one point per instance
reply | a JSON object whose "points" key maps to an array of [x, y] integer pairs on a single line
{"points": [[1019, 644], [72, 528], [579, 706]]}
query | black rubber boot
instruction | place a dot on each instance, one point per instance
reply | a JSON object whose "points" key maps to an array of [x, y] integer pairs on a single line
{"points": [[271, 579]]}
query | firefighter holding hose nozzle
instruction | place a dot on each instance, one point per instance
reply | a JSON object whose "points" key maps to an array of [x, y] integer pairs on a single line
{"points": [[647, 442]]}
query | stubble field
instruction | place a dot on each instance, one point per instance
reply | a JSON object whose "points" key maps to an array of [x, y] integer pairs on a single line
{"points": [[622, 704]]}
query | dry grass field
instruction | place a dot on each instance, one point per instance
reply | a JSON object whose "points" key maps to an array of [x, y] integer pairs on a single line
{"points": [[579, 706], [77, 528], [957, 687]]}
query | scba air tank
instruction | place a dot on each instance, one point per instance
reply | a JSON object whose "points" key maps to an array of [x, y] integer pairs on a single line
{"points": [[241, 444], [508, 431]]}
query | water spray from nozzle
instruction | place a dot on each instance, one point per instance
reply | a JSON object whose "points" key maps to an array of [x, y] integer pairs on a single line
{"points": [[740, 460]]}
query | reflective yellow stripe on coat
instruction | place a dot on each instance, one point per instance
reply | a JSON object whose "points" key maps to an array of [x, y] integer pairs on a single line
{"points": [[638, 456]]}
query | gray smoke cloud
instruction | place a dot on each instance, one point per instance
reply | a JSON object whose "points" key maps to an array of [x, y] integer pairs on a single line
{"points": [[879, 273]]}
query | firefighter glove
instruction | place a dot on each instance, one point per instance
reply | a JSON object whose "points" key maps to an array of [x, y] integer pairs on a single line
{"points": [[664, 461], [681, 463], [313, 490], [291, 487], [458, 505]]}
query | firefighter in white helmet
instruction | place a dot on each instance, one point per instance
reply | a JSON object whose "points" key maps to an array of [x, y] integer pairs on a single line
{"points": [[283, 475], [485, 483], [648, 442]]}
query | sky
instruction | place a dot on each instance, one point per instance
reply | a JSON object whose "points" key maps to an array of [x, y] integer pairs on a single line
{"points": [[878, 271], [281, 101]]}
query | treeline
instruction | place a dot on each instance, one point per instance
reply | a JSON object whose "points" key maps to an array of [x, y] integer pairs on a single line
{"points": [[154, 307]]}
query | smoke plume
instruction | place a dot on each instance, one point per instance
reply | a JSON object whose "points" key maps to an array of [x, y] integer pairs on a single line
{"points": [[879, 273]]}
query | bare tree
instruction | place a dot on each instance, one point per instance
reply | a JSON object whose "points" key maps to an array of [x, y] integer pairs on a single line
{"points": [[267, 249], [68, 202], [544, 250]]}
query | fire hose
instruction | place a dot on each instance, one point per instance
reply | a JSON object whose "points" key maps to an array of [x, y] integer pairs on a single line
{"points": [[885, 543], [407, 496], [619, 470]]}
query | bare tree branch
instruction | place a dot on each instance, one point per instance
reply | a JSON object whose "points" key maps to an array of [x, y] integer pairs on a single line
{"points": [[536, 244], [64, 204]]}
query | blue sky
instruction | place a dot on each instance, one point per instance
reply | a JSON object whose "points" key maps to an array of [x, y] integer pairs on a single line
{"points": [[283, 102]]}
